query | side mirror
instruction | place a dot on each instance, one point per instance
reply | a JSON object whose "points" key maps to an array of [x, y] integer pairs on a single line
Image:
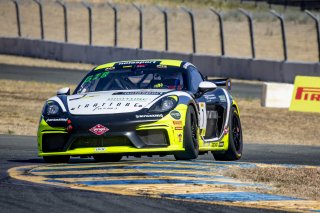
{"points": [[64, 91], [206, 86]]}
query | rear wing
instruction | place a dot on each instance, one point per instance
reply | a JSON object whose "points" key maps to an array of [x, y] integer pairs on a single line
{"points": [[222, 82]]}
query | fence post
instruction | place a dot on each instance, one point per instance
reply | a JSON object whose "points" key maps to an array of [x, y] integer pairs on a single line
{"points": [[316, 20], [219, 15], [165, 16], [90, 20], [16, 4], [189, 12], [283, 32], [139, 8], [250, 22], [115, 12], [38, 2], [65, 15]]}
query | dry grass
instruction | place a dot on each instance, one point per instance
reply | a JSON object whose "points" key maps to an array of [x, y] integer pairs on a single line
{"points": [[277, 126], [21, 103], [293, 182], [301, 35], [34, 62]]}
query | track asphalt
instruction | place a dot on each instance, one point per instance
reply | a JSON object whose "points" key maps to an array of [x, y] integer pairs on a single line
{"points": [[21, 196]]}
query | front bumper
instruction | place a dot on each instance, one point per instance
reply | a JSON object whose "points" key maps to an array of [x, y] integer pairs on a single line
{"points": [[126, 135]]}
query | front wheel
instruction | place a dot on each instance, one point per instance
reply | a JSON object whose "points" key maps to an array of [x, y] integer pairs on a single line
{"points": [[56, 159], [190, 140], [107, 158], [234, 151]]}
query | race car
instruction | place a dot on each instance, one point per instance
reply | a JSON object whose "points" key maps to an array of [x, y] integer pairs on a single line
{"points": [[141, 108]]}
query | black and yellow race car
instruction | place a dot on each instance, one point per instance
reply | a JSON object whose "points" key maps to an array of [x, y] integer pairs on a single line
{"points": [[141, 107]]}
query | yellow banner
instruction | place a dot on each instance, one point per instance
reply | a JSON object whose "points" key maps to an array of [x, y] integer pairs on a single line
{"points": [[306, 94]]}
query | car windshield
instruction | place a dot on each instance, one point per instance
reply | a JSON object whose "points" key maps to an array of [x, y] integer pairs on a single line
{"points": [[106, 80]]}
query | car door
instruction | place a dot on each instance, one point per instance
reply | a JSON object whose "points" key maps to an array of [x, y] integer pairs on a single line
{"points": [[212, 106]]}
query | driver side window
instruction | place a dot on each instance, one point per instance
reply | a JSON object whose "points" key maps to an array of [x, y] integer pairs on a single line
{"points": [[195, 79]]}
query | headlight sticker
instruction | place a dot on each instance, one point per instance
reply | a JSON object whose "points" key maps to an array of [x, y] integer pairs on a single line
{"points": [[175, 114]]}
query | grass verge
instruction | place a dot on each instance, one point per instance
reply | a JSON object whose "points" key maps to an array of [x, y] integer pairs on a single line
{"points": [[293, 182]]}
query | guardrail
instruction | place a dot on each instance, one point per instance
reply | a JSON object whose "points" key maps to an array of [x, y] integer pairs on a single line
{"points": [[218, 66], [165, 13]]}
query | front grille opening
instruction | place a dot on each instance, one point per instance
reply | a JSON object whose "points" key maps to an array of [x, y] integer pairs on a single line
{"points": [[54, 142], [153, 137], [84, 142]]}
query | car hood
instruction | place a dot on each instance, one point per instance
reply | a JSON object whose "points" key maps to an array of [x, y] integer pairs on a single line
{"points": [[112, 102]]}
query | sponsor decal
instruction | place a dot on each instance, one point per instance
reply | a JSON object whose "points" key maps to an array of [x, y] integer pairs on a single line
{"points": [[57, 119], [306, 94], [222, 98], [138, 93], [210, 97], [180, 137], [150, 116], [100, 149], [178, 128], [99, 129], [110, 105], [137, 62], [96, 77], [221, 144], [178, 123], [160, 66], [175, 114], [141, 65], [202, 118], [128, 99], [216, 144]]}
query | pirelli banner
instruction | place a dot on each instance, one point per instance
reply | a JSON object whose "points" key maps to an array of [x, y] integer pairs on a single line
{"points": [[306, 94]]}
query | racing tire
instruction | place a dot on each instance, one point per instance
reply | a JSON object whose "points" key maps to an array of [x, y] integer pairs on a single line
{"points": [[235, 147], [107, 158], [57, 159], [190, 139]]}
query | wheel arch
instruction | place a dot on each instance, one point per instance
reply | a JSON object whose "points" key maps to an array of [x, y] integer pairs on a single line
{"points": [[192, 104], [235, 105]]}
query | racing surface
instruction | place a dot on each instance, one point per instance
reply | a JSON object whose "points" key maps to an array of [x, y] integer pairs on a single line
{"points": [[21, 196]]}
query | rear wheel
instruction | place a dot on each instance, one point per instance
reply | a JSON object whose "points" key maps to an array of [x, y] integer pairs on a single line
{"points": [[190, 140], [107, 158], [56, 159], [234, 151]]}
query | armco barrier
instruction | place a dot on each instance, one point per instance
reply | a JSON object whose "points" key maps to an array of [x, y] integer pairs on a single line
{"points": [[220, 66]]}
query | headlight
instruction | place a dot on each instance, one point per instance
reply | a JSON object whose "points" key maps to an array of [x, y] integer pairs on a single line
{"points": [[51, 108], [165, 104]]}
